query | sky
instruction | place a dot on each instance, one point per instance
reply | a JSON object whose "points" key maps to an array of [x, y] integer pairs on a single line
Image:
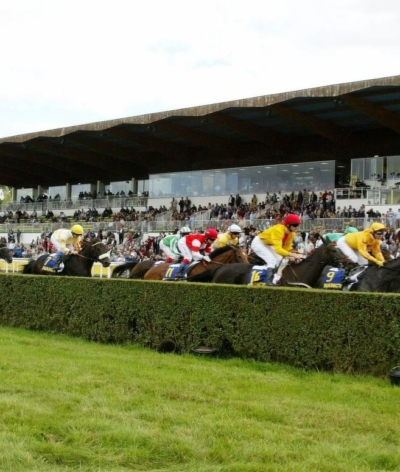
{"points": [[66, 63]]}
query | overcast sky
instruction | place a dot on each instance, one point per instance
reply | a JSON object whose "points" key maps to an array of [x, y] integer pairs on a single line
{"points": [[79, 61]]}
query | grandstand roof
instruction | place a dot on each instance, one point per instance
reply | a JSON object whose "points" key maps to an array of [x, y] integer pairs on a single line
{"points": [[342, 121]]}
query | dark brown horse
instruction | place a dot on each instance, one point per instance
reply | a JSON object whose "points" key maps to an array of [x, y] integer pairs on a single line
{"points": [[379, 279], [6, 254], [304, 274], [76, 265]]}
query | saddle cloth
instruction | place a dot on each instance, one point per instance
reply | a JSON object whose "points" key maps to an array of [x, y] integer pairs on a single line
{"points": [[173, 269], [49, 263], [333, 278], [257, 275]]}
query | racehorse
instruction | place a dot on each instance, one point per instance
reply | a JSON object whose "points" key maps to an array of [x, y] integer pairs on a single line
{"points": [[75, 265], [149, 270], [6, 254], [136, 269], [379, 279], [304, 274], [221, 256]]}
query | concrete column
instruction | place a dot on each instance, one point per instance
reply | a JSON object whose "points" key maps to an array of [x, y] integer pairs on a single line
{"points": [[100, 187], [134, 186]]}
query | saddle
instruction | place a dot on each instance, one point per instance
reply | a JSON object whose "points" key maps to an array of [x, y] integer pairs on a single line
{"points": [[257, 275], [49, 264], [173, 269], [335, 278]]}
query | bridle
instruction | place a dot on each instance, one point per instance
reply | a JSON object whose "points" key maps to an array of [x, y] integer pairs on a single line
{"points": [[99, 258]]}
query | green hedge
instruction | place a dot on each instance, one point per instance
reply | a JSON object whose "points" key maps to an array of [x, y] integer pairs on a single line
{"points": [[334, 331]]}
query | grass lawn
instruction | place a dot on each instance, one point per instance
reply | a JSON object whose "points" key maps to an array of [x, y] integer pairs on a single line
{"points": [[67, 404]]}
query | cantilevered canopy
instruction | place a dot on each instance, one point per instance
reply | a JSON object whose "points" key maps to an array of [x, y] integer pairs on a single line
{"points": [[344, 121]]}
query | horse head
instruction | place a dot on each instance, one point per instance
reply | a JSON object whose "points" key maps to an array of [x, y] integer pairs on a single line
{"points": [[228, 255], [96, 250], [6, 254]]}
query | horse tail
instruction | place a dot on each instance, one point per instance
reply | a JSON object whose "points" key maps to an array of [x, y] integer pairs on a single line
{"points": [[28, 268], [120, 269]]}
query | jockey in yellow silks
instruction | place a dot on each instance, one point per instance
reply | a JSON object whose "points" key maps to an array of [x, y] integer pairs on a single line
{"points": [[364, 246], [275, 243], [230, 237]]}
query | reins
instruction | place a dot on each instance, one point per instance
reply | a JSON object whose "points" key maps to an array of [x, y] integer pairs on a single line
{"points": [[323, 263], [102, 256]]}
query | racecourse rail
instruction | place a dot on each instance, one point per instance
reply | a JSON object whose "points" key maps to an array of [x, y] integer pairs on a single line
{"points": [[17, 265]]}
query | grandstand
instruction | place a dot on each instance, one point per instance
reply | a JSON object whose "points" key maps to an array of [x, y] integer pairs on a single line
{"points": [[326, 138]]}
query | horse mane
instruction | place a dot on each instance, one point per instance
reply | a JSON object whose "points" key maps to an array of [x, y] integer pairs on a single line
{"points": [[392, 263], [222, 250], [91, 240], [88, 243]]}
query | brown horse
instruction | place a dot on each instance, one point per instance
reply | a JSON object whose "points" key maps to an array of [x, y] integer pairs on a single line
{"points": [[221, 256], [150, 270]]}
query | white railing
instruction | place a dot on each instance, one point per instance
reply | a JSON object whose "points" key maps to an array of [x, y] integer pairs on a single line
{"points": [[113, 202], [16, 266]]}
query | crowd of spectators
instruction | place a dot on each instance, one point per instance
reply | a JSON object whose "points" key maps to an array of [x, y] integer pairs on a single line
{"points": [[126, 245]]}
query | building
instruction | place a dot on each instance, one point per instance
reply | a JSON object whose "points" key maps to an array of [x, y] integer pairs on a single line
{"points": [[324, 137]]}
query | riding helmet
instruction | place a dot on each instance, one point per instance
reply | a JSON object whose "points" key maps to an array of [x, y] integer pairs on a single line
{"points": [[377, 227], [292, 219], [211, 233], [234, 229], [77, 229]]}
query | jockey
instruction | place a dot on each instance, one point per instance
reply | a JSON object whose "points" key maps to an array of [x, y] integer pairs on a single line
{"points": [[191, 245], [359, 246], [275, 243], [169, 244], [231, 237], [334, 237], [66, 241]]}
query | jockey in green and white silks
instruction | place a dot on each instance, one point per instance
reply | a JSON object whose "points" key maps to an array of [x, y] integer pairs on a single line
{"points": [[169, 244], [334, 237]]}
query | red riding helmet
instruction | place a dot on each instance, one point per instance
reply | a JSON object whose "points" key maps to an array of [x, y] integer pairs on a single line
{"points": [[211, 233], [291, 219]]}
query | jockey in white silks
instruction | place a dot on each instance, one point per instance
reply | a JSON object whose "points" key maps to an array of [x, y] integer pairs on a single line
{"points": [[66, 241]]}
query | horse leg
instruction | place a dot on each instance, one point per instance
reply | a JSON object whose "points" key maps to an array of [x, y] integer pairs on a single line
{"points": [[156, 272]]}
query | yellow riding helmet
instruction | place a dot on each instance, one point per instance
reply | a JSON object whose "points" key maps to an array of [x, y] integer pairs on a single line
{"points": [[77, 229], [377, 227]]}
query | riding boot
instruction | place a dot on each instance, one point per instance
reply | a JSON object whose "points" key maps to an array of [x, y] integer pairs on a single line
{"points": [[181, 272], [270, 277], [57, 260]]}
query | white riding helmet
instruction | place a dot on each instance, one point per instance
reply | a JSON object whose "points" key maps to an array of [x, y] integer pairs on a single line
{"points": [[234, 229]]}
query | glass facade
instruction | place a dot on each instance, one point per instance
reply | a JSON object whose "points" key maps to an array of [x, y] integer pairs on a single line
{"points": [[377, 168], [245, 180]]}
